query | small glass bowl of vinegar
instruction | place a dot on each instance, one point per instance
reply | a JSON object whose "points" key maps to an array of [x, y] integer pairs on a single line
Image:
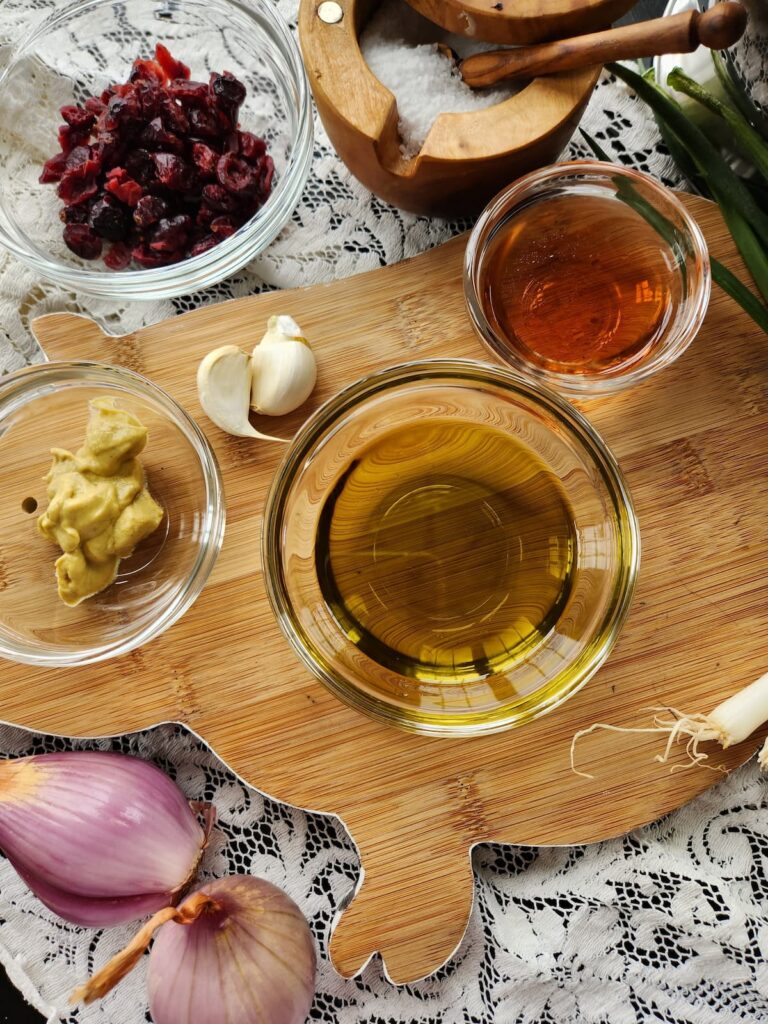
{"points": [[450, 548], [587, 276]]}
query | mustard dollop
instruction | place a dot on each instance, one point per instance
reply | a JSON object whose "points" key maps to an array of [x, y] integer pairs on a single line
{"points": [[99, 506]]}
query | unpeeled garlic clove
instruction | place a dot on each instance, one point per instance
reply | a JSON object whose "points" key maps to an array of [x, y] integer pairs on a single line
{"points": [[283, 368], [224, 388]]}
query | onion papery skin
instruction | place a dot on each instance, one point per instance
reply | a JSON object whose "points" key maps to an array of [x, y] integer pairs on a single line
{"points": [[101, 838], [249, 961]]}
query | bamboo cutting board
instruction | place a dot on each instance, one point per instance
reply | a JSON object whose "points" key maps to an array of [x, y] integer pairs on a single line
{"points": [[693, 443]]}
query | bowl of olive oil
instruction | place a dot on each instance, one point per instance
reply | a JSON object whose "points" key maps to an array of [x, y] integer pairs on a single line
{"points": [[450, 548]]}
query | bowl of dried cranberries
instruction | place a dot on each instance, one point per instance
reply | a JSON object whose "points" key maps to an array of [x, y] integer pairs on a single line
{"points": [[151, 147]]}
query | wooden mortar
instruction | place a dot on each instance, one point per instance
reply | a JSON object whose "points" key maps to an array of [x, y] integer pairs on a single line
{"points": [[521, 21], [466, 158]]}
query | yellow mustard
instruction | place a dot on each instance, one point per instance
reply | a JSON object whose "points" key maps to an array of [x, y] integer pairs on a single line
{"points": [[99, 507]]}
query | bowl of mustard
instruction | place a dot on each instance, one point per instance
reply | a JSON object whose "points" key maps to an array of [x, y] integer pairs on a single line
{"points": [[111, 513]]}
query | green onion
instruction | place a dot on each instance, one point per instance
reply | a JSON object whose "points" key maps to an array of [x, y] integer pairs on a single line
{"points": [[743, 213], [595, 146], [730, 284], [749, 142], [627, 193], [752, 252], [727, 187]]}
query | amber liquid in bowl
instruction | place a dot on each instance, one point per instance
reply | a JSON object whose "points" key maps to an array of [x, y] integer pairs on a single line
{"points": [[580, 284], [445, 551]]}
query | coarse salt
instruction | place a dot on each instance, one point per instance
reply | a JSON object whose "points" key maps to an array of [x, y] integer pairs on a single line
{"points": [[401, 49]]}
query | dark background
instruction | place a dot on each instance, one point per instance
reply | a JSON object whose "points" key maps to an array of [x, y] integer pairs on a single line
{"points": [[13, 1009]]}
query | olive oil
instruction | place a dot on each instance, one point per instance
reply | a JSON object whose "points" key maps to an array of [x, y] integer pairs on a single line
{"points": [[580, 284], [445, 551]]}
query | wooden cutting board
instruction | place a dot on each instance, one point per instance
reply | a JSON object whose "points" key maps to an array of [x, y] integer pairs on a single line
{"points": [[693, 443]]}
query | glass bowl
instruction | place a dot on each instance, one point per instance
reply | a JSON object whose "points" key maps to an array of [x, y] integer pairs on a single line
{"points": [[587, 276], [46, 407], [348, 643], [82, 48]]}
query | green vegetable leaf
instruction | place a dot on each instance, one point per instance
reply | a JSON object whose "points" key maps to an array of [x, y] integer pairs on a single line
{"points": [[748, 141], [722, 276], [595, 146], [727, 187]]}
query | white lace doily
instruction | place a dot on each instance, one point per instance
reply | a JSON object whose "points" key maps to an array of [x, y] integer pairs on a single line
{"points": [[669, 924]]}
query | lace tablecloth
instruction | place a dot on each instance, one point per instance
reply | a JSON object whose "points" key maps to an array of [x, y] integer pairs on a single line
{"points": [[668, 924]]}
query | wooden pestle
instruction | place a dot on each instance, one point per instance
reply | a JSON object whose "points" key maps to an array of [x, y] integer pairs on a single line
{"points": [[719, 27]]}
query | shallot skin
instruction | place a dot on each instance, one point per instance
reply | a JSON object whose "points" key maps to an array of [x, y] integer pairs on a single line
{"points": [[100, 838], [248, 960]]}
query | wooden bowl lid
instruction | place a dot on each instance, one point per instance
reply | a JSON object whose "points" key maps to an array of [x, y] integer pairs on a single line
{"points": [[521, 21]]}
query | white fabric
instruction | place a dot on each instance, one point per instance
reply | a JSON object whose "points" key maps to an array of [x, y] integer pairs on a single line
{"points": [[669, 924]]}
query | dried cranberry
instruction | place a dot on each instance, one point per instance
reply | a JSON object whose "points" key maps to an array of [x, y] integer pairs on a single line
{"points": [[94, 106], [140, 165], [172, 68], [149, 210], [205, 159], [122, 111], [108, 148], [76, 214], [189, 94], [251, 147], [173, 172], [204, 244], [204, 122], [77, 185], [227, 89], [53, 169], [219, 199], [150, 98], [205, 215], [147, 258], [118, 257], [147, 71], [236, 175], [156, 137], [109, 220], [171, 235], [223, 227], [173, 115], [267, 174], [78, 156], [78, 117], [231, 144], [123, 187], [83, 241], [70, 137]]}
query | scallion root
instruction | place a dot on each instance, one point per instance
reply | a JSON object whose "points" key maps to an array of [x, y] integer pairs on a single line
{"points": [[729, 723]]}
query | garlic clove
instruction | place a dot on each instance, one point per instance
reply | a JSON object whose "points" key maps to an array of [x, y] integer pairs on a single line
{"points": [[283, 368], [283, 328], [224, 388]]}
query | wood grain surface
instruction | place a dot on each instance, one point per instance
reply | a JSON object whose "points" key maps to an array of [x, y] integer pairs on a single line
{"points": [[693, 442], [466, 157]]}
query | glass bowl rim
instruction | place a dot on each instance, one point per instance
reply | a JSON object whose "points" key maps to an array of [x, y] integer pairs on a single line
{"points": [[578, 428], [229, 255], [15, 391], [576, 385]]}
